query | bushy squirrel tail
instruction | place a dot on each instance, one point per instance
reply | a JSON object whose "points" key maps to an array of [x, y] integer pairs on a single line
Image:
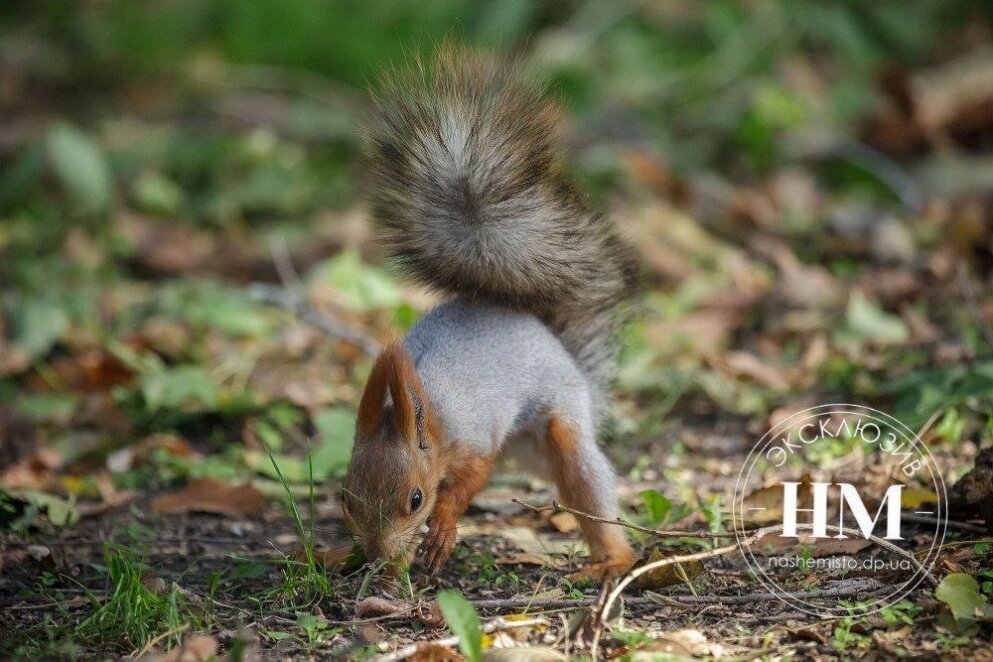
{"points": [[468, 190]]}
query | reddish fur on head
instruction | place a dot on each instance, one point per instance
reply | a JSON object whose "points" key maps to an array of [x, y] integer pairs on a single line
{"points": [[398, 449]]}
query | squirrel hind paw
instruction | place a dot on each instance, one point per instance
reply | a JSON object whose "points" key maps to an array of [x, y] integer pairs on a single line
{"points": [[599, 571]]}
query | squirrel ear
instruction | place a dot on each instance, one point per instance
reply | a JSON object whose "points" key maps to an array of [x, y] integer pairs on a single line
{"points": [[405, 391], [373, 403], [393, 373]]}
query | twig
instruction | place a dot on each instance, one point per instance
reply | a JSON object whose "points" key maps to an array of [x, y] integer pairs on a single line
{"points": [[288, 273], [601, 615], [972, 303], [928, 423], [154, 640], [952, 524], [496, 625], [620, 521], [742, 544], [280, 298], [869, 159]]}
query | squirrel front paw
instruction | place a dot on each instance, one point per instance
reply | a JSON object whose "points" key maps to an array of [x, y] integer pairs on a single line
{"points": [[439, 541]]}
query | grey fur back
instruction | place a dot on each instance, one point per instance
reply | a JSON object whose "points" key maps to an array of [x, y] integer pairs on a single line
{"points": [[470, 196]]}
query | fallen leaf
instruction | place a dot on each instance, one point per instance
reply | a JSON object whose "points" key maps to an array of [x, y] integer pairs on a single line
{"points": [[209, 495], [527, 558], [961, 593], [915, 497], [564, 522], [523, 654], [91, 370], [376, 606], [867, 322], [749, 366], [35, 472], [195, 648], [80, 165], [668, 575], [60, 512], [431, 652], [765, 505], [681, 644], [524, 538]]}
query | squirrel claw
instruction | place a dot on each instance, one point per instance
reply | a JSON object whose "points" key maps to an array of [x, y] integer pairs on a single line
{"points": [[438, 545]]}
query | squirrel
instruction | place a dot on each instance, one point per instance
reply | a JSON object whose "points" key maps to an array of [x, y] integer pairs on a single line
{"points": [[470, 198]]}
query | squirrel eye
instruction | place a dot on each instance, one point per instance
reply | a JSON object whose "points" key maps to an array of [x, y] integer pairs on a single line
{"points": [[415, 499]]}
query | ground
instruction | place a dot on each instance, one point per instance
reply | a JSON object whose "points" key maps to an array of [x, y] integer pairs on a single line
{"points": [[191, 297]]}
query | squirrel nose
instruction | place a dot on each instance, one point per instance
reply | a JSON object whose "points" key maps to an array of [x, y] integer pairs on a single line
{"points": [[385, 550]]}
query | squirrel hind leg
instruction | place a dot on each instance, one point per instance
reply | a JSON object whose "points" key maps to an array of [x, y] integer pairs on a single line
{"points": [[586, 482]]}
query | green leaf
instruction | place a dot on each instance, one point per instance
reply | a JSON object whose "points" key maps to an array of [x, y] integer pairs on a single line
{"points": [[60, 512], [464, 622], [866, 321], [657, 507], [157, 194], [293, 469], [181, 387], [48, 407], [336, 428], [229, 311], [81, 167], [961, 593], [40, 324], [363, 287]]}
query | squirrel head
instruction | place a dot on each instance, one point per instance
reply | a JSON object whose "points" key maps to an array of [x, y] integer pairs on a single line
{"points": [[392, 480]]}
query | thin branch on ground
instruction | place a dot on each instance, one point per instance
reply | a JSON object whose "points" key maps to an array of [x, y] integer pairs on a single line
{"points": [[972, 302], [742, 544], [620, 521], [155, 640], [496, 625], [600, 615], [288, 297], [322, 321]]}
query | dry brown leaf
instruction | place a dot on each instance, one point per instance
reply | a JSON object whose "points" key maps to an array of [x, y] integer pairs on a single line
{"points": [[749, 366], [35, 472], [681, 643], [431, 652], [765, 505], [814, 547], [527, 558], [91, 370], [195, 648], [698, 332], [564, 522], [523, 654], [668, 575], [376, 606], [209, 495]]}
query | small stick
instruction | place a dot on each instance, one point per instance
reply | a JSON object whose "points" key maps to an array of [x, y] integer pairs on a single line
{"points": [[744, 543], [322, 321], [620, 521], [601, 615], [497, 624], [972, 303], [154, 640]]}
